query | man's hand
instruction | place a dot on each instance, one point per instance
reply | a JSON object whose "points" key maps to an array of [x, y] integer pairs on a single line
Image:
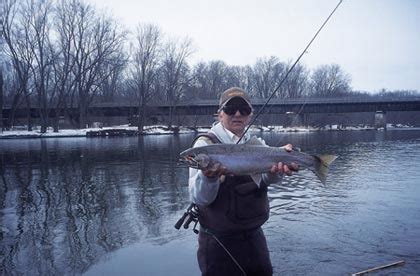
{"points": [[215, 170], [283, 168]]}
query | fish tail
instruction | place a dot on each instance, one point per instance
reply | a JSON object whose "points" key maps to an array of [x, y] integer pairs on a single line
{"points": [[322, 164]]}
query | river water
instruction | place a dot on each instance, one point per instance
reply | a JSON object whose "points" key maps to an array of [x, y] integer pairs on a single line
{"points": [[99, 206]]}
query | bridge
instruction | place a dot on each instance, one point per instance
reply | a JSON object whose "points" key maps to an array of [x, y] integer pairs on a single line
{"points": [[302, 107]]}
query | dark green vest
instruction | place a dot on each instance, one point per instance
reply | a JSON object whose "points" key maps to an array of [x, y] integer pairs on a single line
{"points": [[240, 204]]}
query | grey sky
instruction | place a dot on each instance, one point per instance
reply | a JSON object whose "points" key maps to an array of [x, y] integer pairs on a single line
{"points": [[376, 41]]}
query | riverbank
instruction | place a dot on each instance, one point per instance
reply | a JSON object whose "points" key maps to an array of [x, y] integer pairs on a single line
{"points": [[126, 130]]}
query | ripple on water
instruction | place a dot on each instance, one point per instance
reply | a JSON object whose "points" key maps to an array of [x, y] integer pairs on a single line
{"points": [[70, 205]]}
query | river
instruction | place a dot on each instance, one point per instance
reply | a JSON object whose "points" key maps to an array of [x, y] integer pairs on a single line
{"points": [[107, 206]]}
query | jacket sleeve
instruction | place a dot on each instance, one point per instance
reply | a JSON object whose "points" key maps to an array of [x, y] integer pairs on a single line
{"points": [[203, 190]]}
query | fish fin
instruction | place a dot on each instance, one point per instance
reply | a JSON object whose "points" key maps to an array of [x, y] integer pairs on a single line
{"points": [[322, 163], [255, 141], [257, 178]]}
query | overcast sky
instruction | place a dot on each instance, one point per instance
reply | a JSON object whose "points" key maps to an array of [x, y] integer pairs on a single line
{"points": [[376, 41]]}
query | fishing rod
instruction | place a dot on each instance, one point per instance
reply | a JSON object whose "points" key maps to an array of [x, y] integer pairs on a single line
{"points": [[192, 213], [288, 72]]}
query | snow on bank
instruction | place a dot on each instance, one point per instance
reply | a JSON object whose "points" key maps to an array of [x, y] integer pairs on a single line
{"points": [[38, 134], [105, 131], [159, 129]]}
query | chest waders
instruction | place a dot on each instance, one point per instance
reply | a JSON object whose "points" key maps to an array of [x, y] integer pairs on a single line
{"points": [[239, 208]]}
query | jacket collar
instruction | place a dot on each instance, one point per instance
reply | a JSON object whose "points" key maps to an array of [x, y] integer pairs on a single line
{"points": [[226, 136]]}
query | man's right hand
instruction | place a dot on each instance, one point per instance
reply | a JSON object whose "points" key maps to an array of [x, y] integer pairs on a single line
{"points": [[216, 170]]}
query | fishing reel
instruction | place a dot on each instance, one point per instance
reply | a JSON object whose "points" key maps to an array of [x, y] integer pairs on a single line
{"points": [[190, 215]]}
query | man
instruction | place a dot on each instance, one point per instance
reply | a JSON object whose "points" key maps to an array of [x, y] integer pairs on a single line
{"points": [[232, 208]]}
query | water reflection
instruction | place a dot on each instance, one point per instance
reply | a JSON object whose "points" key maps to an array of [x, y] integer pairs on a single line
{"points": [[66, 203], [365, 215]]}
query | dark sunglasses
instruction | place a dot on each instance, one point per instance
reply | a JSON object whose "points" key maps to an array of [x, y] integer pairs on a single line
{"points": [[230, 110]]}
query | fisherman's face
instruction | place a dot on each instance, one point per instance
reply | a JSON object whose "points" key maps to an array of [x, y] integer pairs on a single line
{"points": [[236, 116]]}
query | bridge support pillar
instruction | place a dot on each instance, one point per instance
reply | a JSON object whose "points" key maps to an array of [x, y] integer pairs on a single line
{"points": [[380, 120], [294, 120]]}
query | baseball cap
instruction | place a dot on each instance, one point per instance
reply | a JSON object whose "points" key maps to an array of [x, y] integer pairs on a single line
{"points": [[233, 92]]}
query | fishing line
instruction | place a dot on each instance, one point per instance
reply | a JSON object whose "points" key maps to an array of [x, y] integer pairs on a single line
{"points": [[263, 107], [230, 255], [288, 72]]}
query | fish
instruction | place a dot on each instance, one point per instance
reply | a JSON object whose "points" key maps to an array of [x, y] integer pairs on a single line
{"points": [[245, 159]]}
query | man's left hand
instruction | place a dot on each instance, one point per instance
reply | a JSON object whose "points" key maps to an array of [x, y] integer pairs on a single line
{"points": [[287, 169]]}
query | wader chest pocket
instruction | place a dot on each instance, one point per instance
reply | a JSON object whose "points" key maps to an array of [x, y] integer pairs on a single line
{"points": [[249, 204]]}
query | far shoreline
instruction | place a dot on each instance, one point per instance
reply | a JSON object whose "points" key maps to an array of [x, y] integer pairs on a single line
{"points": [[126, 130]]}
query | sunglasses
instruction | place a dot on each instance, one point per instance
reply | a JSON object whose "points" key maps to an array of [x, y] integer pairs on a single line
{"points": [[231, 110]]}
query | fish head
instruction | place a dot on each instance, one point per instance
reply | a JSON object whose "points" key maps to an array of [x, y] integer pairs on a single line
{"points": [[194, 158]]}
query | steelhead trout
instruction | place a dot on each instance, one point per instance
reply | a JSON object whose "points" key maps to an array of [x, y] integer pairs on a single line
{"points": [[245, 159]]}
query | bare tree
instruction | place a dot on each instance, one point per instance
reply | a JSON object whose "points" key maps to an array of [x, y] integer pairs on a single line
{"points": [[112, 75], [239, 76], [17, 49], [266, 75], [63, 57], [28, 33], [37, 31], [211, 78], [330, 81], [77, 57], [200, 86], [296, 84], [96, 42], [217, 77], [174, 73], [146, 55]]}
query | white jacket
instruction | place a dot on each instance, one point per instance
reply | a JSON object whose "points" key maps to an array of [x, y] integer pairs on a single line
{"points": [[203, 190]]}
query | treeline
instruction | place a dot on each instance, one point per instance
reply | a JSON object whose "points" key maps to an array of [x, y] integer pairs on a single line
{"points": [[58, 54]]}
